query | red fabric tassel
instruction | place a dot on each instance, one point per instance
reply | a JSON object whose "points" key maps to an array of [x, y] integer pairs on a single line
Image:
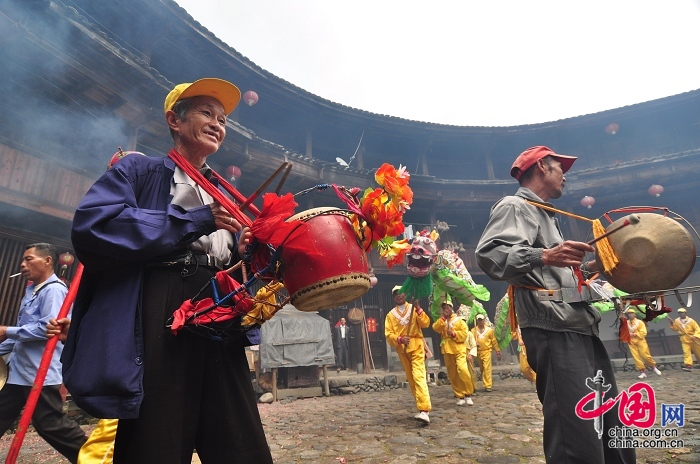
{"points": [[271, 226], [240, 304]]}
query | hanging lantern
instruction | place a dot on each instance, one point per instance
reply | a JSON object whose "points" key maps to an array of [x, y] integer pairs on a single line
{"points": [[587, 201], [250, 98], [656, 190], [233, 173], [65, 259], [612, 128]]}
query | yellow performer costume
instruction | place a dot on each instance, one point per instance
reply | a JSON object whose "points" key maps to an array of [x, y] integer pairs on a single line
{"points": [[453, 332], [525, 368], [99, 448], [471, 349], [638, 344], [402, 322], [689, 332], [485, 342]]}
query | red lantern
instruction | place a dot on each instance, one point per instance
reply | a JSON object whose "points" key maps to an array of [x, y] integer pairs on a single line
{"points": [[587, 201], [612, 128], [233, 173], [656, 190], [250, 98], [66, 259]]}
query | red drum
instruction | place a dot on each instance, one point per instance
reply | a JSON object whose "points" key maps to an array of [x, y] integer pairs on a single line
{"points": [[334, 272]]}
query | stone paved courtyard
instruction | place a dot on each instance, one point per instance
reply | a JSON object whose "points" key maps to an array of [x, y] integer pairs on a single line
{"points": [[504, 426]]}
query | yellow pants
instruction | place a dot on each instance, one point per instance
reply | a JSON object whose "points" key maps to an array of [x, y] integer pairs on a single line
{"points": [[525, 368], [99, 448], [472, 374], [485, 366], [414, 366], [690, 349], [641, 355], [458, 373]]}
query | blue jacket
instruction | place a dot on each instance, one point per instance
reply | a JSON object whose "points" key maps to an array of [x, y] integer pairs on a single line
{"points": [[124, 220]]}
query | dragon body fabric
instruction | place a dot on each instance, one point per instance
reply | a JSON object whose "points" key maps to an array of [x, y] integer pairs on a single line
{"points": [[435, 273]]}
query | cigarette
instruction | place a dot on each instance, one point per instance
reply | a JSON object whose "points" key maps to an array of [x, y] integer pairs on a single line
{"points": [[15, 275]]}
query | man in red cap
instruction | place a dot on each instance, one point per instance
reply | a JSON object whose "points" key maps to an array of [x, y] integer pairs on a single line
{"points": [[522, 244], [150, 237]]}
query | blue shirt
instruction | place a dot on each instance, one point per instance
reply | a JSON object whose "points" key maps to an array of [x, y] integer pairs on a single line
{"points": [[26, 341]]}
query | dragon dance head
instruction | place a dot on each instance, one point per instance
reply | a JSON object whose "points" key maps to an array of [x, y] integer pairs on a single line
{"points": [[422, 254]]}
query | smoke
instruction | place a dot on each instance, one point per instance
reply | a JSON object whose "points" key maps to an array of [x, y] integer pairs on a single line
{"points": [[50, 111], [46, 111]]}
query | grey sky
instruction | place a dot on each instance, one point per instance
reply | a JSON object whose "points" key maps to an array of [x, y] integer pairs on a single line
{"points": [[486, 63]]}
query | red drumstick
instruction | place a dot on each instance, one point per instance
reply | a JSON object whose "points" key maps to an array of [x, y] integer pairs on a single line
{"points": [[631, 219]]}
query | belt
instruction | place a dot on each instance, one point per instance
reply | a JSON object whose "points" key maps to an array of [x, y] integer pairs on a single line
{"points": [[192, 259], [568, 295]]}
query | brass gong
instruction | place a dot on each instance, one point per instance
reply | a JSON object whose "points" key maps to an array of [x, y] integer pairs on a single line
{"points": [[655, 254]]}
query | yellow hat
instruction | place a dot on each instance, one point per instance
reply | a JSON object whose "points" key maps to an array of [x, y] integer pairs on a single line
{"points": [[480, 316], [395, 289], [682, 310], [631, 310], [227, 93]]}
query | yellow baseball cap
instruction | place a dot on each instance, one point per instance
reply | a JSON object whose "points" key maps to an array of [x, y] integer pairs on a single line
{"points": [[682, 310], [480, 316], [395, 289], [630, 310], [228, 94]]}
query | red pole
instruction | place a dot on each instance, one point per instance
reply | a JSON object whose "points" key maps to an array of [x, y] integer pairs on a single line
{"points": [[13, 453]]}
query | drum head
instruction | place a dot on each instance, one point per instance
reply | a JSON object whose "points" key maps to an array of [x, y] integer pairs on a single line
{"points": [[655, 254]]}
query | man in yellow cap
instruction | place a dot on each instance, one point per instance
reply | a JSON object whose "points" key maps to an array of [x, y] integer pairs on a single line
{"points": [[485, 343], [689, 332], [403, 330], [151, 236], [453, 332], [638, 343]]}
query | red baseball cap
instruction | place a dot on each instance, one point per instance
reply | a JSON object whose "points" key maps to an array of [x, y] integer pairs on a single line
{"points": [[529, 157]]}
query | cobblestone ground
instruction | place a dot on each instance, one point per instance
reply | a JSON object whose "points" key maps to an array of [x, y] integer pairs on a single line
{"points": [[504, 426]]}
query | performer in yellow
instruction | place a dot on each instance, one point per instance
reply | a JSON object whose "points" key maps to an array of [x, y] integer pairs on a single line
{"points": [[638, 344], [485, 342], [453, 332], [471, 350], [525, 368], [689, 331], [403, 330]]}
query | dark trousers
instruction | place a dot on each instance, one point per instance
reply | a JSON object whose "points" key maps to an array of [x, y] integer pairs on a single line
{"points": [[563, 361], [197, 392], [342, 354], [62, 433]]}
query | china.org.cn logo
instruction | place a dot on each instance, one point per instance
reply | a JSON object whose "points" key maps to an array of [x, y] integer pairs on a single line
{"points": [[637, 406]]}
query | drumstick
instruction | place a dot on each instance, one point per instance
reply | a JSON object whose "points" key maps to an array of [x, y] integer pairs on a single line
{"points": [[264, 185], [14, 275], [631, 219]]}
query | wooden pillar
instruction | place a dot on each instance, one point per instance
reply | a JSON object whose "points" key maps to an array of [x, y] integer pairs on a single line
{"points": [[274, 384], [309, 143], [424, 164], [360, 156], [489, 167], [326, 388]]}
